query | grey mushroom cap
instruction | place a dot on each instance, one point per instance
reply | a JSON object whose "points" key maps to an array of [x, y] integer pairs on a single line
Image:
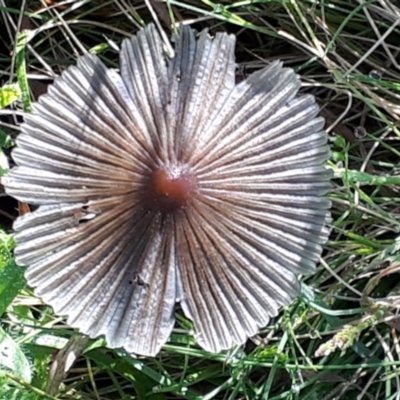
{"points": [[168, 182]]}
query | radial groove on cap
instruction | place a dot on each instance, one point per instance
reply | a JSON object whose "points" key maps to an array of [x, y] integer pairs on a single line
{"points": [[168, 182]]}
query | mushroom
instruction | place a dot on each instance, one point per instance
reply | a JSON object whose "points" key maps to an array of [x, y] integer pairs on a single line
{"points": [[169, 183]]}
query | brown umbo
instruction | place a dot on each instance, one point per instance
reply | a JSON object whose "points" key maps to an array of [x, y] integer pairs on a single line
{"points": [[168, 182]]}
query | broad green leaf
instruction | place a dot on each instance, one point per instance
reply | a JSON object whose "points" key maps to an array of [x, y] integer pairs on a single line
{"points": [[12, 358], [5, 140], [9, 94], [4, 167], [11, 282], [6, 246]]}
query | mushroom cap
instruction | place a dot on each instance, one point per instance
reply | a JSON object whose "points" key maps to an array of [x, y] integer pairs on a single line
{"points": [[168, 182]]}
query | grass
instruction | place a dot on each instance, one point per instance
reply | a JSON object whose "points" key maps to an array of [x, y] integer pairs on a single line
{"points": [[340, 338]]}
